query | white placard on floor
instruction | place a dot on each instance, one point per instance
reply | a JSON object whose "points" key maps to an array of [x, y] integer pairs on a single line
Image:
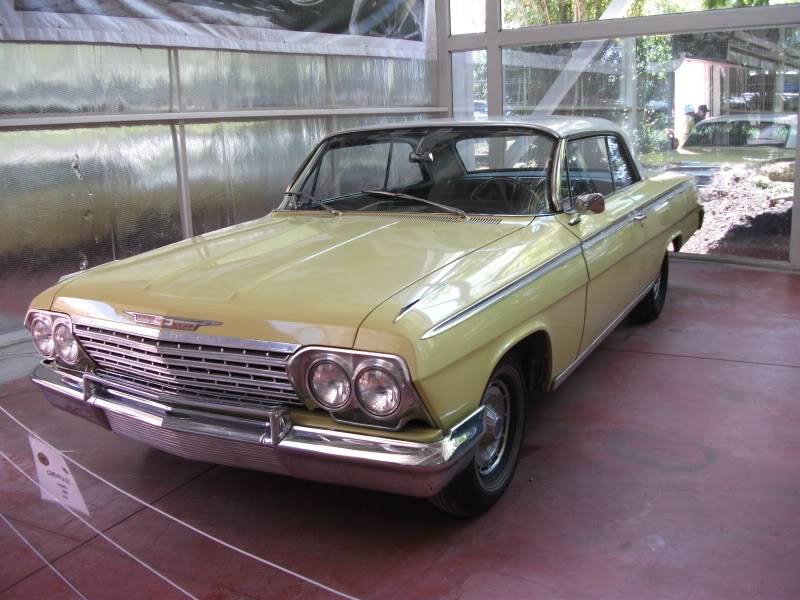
{"points": [[55, 477]]}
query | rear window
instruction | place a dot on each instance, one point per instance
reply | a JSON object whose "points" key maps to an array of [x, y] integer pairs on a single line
{"points": [[515, 152]]}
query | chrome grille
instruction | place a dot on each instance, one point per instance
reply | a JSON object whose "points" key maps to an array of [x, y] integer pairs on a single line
{"points": [[224, 375]]}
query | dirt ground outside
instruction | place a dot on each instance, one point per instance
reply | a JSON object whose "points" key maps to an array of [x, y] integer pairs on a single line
{"points": [[748, 213]]}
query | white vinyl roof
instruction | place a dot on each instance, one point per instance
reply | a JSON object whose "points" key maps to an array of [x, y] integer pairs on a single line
{"points": [[557, 125]]}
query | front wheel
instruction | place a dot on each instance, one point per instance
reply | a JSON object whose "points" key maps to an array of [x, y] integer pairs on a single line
{"points": [[652, 304], [489, 473]]}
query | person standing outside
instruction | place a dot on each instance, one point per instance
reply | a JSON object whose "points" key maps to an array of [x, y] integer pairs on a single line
{"points": [[690, 119]]}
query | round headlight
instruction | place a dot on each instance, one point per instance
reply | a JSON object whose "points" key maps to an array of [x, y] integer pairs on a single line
{"points": [[41, 330], [378, 392], [329, 384], [65, 343]]}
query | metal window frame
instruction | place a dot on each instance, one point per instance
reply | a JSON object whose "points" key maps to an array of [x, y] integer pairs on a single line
{"points": [[494, 38]]}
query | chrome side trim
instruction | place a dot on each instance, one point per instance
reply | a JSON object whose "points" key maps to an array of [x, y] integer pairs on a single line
{"points": [[608, 231], [637, 214], [559, 379], [421, 295], [505, 291], [665, 196], [186, 337]]}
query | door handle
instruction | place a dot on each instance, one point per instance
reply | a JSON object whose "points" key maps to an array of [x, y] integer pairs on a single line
{"points": [[639, 216]]}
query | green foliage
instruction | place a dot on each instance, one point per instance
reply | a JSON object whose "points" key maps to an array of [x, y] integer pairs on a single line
{"points": [[528, 13], [709, 4], [548, 12]]}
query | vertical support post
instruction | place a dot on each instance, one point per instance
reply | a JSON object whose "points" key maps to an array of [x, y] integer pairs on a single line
{"points": [[444, 66], [175, 90], [179, 146], [629, 83], [182, 172], [494, 58], [716, 90], [794, 232]]}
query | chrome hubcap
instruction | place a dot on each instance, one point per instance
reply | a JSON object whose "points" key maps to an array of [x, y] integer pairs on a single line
{"points": [[497, 403]]}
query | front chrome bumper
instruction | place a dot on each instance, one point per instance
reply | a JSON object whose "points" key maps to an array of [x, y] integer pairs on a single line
{"points": [[274, 445]]}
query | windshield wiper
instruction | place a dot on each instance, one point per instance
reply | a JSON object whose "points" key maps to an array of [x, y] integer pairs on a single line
{"points": [[387, 194], [311, 202]]}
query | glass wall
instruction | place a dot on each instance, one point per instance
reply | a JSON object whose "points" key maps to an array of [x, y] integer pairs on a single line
{"points": [[467, 16], [223, 80], [379, 82], [529, 13], [721, 106], [75, 198], [237, 171], [470, 84], [62, 78]]}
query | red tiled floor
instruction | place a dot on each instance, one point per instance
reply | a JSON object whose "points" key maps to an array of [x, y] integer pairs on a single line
{"points": [[16, 560], [42, 584], [667, 466], [723, 312]]}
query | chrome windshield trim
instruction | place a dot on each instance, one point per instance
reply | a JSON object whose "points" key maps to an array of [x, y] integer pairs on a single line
{"points": [[555, 177], [507, 290], [186, 337]]}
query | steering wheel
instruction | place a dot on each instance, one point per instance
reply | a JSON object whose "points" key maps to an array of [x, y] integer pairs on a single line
{"points": [[506, 188]]}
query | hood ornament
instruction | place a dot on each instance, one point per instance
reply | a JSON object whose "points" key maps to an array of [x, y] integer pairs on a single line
{"points": [[169, 322]]}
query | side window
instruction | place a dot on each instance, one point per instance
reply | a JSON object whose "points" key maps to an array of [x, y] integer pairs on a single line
{"points": [[620, 169], [587, 167]]}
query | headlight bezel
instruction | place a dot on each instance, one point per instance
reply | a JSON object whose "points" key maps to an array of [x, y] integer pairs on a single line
{"points": [[315, 393], [47, 321], [362, 371], [56, 319], [60, 345], [354, 363]]}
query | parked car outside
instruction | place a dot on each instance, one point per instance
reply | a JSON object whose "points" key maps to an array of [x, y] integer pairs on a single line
{"points": [[387, 325], [720, 142]]}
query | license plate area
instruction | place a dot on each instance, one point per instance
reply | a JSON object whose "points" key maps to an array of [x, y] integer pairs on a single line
{"points": [[266, 430]]}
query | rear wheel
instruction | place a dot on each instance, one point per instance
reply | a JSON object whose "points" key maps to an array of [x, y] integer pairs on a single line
{"points": [[489, 473], [652, 304]]}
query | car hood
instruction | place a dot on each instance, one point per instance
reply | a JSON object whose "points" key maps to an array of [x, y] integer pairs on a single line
{"points": [[288, 278]]}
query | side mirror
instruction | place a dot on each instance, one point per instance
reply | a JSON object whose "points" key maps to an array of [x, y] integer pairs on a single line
{"points": [[424, 157], [595, 203]]}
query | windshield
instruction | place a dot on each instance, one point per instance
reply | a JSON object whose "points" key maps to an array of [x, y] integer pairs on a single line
{"points": [[739, 133], [486, 170]]}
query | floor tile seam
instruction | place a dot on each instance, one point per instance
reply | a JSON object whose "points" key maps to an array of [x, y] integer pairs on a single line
{"points": [[80, 545], [698, 357]]}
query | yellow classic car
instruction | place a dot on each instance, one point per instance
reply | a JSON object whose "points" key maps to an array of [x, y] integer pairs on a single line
{"points": [[387, 324]]}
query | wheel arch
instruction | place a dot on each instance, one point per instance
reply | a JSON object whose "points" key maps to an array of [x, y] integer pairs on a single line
{"points": [[534, 351]]}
